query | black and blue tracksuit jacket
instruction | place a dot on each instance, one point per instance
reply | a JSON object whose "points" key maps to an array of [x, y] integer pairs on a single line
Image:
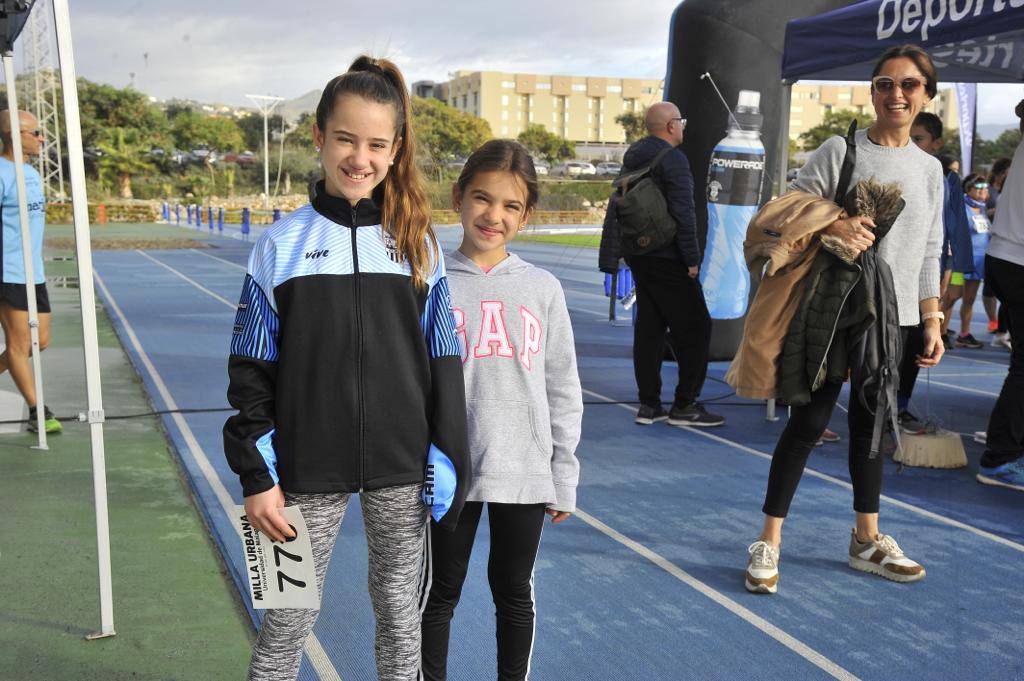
{"points": [[345, 376]]}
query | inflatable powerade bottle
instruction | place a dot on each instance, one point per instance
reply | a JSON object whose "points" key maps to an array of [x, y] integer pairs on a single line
{"points": [[734, 188]]}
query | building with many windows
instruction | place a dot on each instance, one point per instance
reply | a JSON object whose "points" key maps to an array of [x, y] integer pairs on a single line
{"points": [[578, 108], [810, 103]]}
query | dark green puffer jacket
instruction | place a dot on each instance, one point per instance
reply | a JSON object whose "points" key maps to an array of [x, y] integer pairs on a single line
{"points": [[837, 308], [815, 349]]}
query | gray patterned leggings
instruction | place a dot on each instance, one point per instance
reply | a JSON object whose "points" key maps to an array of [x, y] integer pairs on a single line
{"points": [[395, 522]]}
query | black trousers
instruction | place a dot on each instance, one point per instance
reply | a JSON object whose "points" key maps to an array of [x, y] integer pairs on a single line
{"points": [[1005, 441], [668, 298], [515, 538], [802, 431], [913, 347]]}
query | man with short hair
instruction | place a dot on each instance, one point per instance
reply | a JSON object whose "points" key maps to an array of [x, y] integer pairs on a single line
{"points": [[669, 295], [1001, 464], [13, 293]]}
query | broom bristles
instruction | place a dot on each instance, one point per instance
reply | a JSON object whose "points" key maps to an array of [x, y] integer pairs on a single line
{"points": [[941, 449]]}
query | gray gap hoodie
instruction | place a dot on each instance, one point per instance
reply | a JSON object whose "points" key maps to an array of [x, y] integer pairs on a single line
{"points": [[523, 397]]}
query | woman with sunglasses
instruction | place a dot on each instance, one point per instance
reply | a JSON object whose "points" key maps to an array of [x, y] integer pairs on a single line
{"points": [[902, 83]]}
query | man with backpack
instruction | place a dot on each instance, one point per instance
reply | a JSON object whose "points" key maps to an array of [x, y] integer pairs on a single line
{"points": [[651, 222]]}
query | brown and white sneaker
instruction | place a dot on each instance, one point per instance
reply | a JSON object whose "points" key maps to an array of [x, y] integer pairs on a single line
{"points": [[762, 575], [883, 556]]}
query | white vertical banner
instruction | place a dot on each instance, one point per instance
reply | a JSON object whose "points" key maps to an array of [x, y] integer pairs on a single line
{"points": [[966, 103]]}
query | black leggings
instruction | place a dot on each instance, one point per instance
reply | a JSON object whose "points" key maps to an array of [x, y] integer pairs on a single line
{"points": [[805, 426], [515, 537]]}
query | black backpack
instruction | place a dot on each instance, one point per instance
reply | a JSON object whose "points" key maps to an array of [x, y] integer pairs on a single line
{"points": [[644, 221]]}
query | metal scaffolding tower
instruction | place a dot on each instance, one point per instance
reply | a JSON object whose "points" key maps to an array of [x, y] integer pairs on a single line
{"points": [[42, 96]]}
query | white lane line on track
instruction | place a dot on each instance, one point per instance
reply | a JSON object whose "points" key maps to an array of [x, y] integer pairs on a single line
{"points": [[842, 483], [191, 281], [948, 356], [314, 651], [758, 622], [218, 258], [966, 390], [766, 627]]}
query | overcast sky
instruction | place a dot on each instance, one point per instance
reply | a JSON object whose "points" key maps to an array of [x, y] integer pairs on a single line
{"points": [[219, 50]]}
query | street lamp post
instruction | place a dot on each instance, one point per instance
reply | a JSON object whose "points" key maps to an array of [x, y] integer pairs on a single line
{"points": [[266, 104]]}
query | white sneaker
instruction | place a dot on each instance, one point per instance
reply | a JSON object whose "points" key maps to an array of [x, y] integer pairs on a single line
{"points": [[1002, 340], [762, 568], [882, 556]]}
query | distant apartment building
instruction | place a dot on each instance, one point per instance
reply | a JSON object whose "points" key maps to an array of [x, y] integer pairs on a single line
{"points": [[811, 102], [578, 108]]}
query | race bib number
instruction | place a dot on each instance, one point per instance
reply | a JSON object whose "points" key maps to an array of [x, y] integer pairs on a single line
{"points": [[279, 574], [981, 224]]}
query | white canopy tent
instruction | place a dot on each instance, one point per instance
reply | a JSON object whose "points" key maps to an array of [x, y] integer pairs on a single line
{"points": [[13, 14]]}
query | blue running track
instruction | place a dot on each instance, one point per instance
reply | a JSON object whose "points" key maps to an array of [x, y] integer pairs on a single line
{"points": [[646, 582]]}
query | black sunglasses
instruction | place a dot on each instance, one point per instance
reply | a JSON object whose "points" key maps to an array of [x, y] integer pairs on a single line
{"points": [[885, 85]]}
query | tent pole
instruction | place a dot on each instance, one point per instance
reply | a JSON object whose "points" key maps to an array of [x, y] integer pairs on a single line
{"points": [[787, 100], [87, 295], [26, 244]]}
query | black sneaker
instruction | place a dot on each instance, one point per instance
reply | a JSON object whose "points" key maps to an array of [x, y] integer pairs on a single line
{"points": [[967, 341], [947, 340], [910, 424], [647, 415], [694, 414]]}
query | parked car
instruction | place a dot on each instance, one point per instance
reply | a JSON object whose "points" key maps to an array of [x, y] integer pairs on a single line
{"points": [[242, 158], [202, 154], [609, 168], [456, 164], [574, 169], [541, 167]]}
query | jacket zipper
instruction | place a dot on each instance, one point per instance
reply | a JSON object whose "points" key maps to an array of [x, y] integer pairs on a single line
{"points": [[835, 324], [359, 349]]}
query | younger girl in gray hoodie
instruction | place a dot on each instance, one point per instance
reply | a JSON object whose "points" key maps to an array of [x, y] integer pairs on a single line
{"points": [[524, 403]]}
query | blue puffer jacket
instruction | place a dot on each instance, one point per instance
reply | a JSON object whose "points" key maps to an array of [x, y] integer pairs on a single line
{"points": [[956, 230]]}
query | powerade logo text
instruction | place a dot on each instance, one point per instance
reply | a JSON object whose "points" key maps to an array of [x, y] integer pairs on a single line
{"points": [[913, 16], [737, 163]]}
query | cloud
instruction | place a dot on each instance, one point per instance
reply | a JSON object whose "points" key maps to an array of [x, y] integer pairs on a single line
{"points": [[218, 51]]}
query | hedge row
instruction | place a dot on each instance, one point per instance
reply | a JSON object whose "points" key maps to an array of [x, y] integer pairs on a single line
{"points": [[61, 213]]}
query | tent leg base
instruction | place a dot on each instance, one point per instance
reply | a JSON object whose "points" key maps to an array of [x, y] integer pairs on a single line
{"points": [[100, 634]]}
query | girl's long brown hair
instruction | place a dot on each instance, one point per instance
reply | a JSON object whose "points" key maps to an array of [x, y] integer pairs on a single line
{"points": [[405, 208]]}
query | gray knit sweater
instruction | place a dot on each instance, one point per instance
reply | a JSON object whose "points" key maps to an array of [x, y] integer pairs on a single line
{"points": [[912, 246]]}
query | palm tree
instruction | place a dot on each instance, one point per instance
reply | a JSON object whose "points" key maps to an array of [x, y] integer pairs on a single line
{"points": [[123, 156]]}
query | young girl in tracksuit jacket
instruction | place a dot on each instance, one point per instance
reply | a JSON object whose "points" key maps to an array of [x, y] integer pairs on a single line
{"points": [[346, 373], [524, 408]]}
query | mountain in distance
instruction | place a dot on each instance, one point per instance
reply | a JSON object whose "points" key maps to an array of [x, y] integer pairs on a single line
{"points": [[291, 109], [990, 131]]}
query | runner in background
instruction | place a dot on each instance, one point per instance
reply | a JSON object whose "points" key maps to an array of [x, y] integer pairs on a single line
{"points": [[13, 295]]}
